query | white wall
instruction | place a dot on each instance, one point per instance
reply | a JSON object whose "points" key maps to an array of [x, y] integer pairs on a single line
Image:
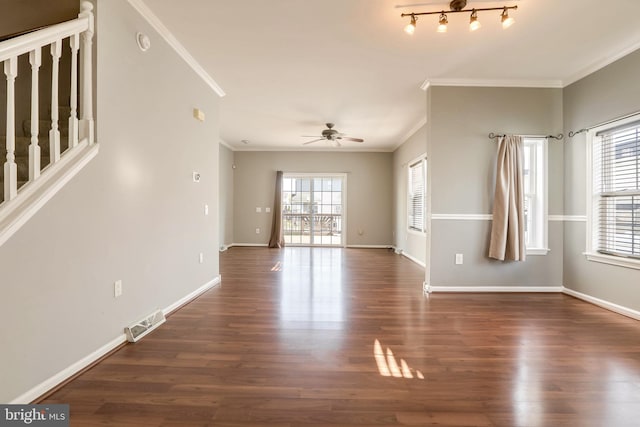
{"points": [[369, 191], [132, 214], [607, 94], [226, 160], [410, 243], [462, 163]]}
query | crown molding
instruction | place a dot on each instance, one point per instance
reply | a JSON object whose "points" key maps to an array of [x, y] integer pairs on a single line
{"points": [[156, 23], [410, 133], [596, 66], [552, 84], [313, 150], [229, 146]]}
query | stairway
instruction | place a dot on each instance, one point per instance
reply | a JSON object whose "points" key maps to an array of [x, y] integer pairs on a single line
{"points": [[22, 147]]}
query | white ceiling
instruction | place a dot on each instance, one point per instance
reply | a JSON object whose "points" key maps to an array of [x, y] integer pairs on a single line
{"points": [[289, 66]]}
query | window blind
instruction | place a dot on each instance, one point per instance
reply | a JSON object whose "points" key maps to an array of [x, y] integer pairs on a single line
{"points": [[616, 155], [416, 196]]}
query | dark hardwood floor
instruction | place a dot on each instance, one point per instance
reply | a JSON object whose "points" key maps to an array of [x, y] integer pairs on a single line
{"points": [[332, 337]]}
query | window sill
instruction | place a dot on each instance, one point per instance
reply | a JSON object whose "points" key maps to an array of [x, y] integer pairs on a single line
{"points": [[416, 232], [538, 251], [613, 260]]}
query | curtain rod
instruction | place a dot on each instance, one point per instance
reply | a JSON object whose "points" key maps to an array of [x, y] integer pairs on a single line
{"points": [[574, 133], [559, 137]]}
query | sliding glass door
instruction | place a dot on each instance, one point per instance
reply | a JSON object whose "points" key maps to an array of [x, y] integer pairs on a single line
{"points": [[313, 209]]}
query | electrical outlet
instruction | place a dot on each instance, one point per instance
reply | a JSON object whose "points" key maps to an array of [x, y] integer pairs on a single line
{"points": [[196, 176], [459, 259], [201, 257], [267, 210], [117, 288], [257, 231]]}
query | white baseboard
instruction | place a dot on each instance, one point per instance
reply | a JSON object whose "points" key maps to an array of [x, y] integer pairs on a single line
{"points": [[370, 246], [416, 260], [68, 372], [625, 311], [250, 245], [210, 284], [92, 357], [555, 289]]}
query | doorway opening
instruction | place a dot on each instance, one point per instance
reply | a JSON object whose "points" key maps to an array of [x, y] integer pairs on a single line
{"points": [[313, 209]]}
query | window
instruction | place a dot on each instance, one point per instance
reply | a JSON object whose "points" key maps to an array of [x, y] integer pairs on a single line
{"points": [[614, 212], [416, 195], [535, 195], [313, 209]]}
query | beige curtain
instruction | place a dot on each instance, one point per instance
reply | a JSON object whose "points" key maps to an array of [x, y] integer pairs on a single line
{"points": [[277, 237], [507, 231]]}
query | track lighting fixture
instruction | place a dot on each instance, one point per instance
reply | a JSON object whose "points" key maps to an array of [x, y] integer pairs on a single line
{"points": [[507, 21], [442, 23], [411, 26], [474, 24], [458, 6]]}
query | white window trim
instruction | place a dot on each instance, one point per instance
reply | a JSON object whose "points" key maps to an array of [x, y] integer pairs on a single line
{"points": [[342, 175], [590, 253], [543, 183], [422, 158]]}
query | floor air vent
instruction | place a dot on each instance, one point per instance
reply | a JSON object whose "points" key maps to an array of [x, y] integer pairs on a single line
{"points": [[139, 329]]}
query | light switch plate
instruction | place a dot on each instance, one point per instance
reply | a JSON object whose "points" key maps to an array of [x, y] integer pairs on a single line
{"points": [[258, 210], [196, 176], [267, 210], [198, 114], [459, 259], [117, 288]]}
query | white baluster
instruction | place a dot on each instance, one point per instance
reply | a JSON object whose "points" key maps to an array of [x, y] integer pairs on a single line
{"points": [[54, 133], [74, 41], [10, 167], [35, 59], [86, 83]]}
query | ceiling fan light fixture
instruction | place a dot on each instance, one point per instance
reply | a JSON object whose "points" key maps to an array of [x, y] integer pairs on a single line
{"points": [[442, 23], [411, 26], [332, 136], [474, 24], [506, 20]]}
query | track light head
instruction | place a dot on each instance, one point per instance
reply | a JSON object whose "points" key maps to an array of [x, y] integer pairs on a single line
{"points": [[411, 26], [442, 23], [474, 24], [507, 21]]}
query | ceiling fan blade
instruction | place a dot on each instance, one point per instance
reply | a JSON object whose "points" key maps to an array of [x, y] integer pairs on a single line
{"points": [[347, 138], [312, 141], [312, 136]]}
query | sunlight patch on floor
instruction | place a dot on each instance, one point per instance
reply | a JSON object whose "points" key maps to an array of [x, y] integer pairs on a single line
{"points": [[388, 364]]}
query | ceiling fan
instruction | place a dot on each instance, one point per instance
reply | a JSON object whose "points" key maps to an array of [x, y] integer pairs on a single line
{"points": [[332, 135]]}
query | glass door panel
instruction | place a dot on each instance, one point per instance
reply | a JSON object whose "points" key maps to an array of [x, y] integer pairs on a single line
{"points": [[312, 208]]}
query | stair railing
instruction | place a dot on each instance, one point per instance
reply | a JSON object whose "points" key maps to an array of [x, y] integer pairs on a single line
{"points": [[81, 130]]}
